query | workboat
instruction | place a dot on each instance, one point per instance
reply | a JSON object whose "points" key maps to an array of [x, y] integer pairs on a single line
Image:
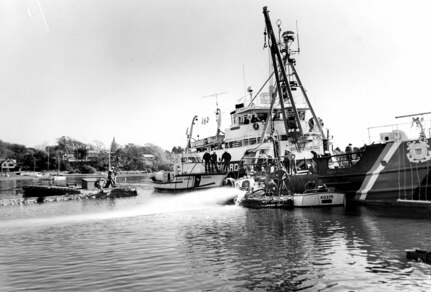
{"points": [[393, 172], [260, 191], [188, 174], [280, 120], [49, 186], [259, 200], [273, 190], [46, 191], [319, 197]]}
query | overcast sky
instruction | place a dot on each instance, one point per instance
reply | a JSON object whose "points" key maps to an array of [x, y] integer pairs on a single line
{"points": [[138, 70]]}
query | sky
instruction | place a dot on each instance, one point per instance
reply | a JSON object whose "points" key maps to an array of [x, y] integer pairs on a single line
{"points": [[140, 71]]}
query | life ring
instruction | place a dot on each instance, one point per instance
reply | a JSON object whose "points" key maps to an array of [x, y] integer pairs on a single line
{"points": [[272, 188], [256, 126]]}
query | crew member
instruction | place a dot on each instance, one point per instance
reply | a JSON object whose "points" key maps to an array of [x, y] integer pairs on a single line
{"points": [[207, 159], [111, 178], [292, 163], [271, 188], [314, 162], [225, 159], [286, 160], [349, 154], [214, 162]]}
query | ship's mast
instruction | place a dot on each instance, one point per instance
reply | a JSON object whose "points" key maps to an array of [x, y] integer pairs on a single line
{"points": [[280, 74], [288, 36]]}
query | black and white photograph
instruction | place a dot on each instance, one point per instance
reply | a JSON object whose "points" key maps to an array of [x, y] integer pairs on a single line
{"points": [[202, 145]]}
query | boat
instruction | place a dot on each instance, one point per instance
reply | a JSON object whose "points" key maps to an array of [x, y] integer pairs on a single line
{"points": [[394, 172], [55, 186], [318, 197], [51, 185], [419, 255], [266, 188], [280, 120], [188, 174], [259, 200], [46, 191], [117, 192]]}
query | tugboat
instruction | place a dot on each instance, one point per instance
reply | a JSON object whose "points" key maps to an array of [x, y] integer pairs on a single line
{"points": [[281, 120], [394, 172]]}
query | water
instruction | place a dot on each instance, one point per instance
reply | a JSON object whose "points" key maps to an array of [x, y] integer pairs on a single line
{"points": [[193, 242]]}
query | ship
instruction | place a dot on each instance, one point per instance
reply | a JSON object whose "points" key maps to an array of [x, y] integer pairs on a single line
{"points": [[276, 120], [189, 173], [393, 172]]}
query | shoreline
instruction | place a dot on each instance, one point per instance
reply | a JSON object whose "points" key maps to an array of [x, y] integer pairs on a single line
{"points": [[13, 177]]}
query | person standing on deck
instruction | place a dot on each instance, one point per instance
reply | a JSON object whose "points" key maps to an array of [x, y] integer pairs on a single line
{"points": [[111, 178], [207, 159], [286, 161], [214, 167], [314, 162], [292, 163], [349, 154], [225, 159]]}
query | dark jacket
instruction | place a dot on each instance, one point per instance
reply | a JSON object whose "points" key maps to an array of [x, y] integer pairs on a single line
{"points": [[226, 157], [207, 157]]}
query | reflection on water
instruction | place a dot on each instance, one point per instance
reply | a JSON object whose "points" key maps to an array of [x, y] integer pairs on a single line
{"points": [[192, 242]]}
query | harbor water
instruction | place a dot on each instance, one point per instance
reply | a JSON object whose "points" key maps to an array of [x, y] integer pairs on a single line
{"points": [[195, 242]]}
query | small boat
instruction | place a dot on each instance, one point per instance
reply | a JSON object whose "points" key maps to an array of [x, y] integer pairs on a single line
{"points": [[419, 255], [259, 199], [318, 198], [118, 192], [189, 174]]}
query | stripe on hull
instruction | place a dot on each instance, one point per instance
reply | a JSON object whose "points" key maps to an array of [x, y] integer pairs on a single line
{"points": [[373, 174]]}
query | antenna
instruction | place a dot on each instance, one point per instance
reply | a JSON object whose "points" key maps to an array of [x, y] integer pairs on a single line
{"points": [[297, 36], [216, 96]]}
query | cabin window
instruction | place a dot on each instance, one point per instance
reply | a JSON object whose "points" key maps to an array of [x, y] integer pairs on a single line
{"points": [[283, 137], [301, 115], [252, 141], [259, 139], [262, 116], [245, 142]]}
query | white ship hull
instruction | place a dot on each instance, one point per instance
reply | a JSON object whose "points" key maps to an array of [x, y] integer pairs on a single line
{"points": [[190, 182], [318, 199]]}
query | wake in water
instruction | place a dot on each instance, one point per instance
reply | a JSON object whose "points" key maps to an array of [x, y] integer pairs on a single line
{"points": [[156, 203]]}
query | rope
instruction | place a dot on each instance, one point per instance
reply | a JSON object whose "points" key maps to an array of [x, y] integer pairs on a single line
{"points": [[267, 80], [419, 180]]}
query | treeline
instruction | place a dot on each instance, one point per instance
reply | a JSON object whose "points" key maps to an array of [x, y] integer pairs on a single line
{"points": [[72, 155]]}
